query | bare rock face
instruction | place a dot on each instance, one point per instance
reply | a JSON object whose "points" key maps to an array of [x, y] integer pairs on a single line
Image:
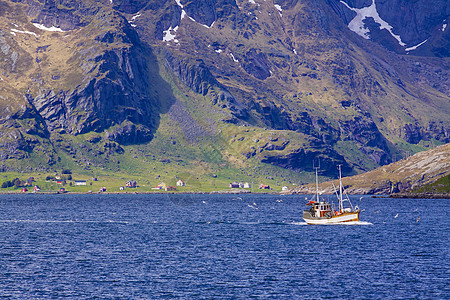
{"points": [[428, 25], [22, 133], [303, 160], [197, 76], [283, 65], [114, 90], [364, 132], [256, 64]]}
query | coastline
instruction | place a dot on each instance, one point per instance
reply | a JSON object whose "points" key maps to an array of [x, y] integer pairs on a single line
{"points": [[141, 193], [420, 195], [226, 192]]}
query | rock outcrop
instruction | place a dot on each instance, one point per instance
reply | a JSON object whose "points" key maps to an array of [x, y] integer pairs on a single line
{"points": [[360, 86]]}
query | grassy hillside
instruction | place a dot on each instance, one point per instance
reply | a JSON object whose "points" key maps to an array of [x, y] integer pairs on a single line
{"points": [[423, 172], [260, 96]]}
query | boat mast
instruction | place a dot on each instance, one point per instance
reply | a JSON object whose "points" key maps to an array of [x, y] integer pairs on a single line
{"points": [[341, 205], [317, 186]]}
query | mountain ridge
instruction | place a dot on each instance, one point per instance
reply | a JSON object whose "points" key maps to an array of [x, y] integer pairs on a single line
{"points": [[291, 67]]}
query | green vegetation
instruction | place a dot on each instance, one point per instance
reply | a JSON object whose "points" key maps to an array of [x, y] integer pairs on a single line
{"points": [[312, 100], [440, 186]]}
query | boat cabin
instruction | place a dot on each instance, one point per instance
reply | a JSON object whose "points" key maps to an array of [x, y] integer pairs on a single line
{"points": [[321, 209]]}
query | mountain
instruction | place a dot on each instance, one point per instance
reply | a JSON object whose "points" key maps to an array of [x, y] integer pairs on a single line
{"points": [[269, 87], [423, 172]]}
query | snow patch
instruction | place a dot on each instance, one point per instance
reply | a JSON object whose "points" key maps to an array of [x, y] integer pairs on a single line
{"points": [[443, 27], [179, 3], [279, 9], [43, 27], [234, 59], [168, 36], [27, 32], [357, 25], [219, 51], [212, 24], [135, 16], [416, 46], [183, 13], [252, 1], [295, 51], [13, 33]]}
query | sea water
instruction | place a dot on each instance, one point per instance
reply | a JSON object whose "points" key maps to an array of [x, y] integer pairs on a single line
{"points": [[219, 247]]}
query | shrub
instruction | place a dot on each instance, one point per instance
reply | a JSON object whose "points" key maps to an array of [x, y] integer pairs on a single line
{"points": [[66, 171], [17, 182], [7, 184]]}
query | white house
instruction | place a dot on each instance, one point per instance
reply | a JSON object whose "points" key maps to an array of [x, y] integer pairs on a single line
{"points": [[80, 182], [247, 185], [181, 183]]}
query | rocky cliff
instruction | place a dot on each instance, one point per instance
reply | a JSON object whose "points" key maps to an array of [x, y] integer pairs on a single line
{"points": [[357, 83]]}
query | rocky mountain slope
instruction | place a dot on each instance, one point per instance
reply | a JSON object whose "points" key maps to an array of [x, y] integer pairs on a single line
{"points": [[250, 84], [407, 175]]}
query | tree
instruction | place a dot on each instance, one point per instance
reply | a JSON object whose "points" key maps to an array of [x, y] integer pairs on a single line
{"points": [[67, 171]]}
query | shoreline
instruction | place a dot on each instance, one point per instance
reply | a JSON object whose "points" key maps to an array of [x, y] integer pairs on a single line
{"points": [[420, 196], [228, 192], [141, 193]]}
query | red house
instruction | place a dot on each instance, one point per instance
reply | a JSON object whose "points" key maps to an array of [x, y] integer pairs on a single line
{"points": [[263, 186]]}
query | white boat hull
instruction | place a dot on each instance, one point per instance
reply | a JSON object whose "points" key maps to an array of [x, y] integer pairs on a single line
{"points": [[345, 217]]}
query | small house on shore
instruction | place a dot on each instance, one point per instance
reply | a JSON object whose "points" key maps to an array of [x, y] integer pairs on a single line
{"points": [[170, 188], [131, 184], [234, 185], [263, 186], [80, 182], [161, 186], [181, 183]]}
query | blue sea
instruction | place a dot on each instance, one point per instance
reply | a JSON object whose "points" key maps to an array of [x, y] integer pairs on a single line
{"points": [[219, 247]]}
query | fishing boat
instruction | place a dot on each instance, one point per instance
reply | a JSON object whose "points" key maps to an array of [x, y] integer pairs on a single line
{"points": [[322, 212]]}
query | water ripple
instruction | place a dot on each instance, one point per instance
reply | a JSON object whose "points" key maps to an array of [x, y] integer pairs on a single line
{"points": [[146, 247]]}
